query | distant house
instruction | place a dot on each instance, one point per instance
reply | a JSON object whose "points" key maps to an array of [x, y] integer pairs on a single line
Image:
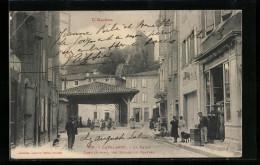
{"points": [[74, 80], [141, 106]]}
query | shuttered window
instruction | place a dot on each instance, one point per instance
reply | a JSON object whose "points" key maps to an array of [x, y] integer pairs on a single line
{"points": [[217, 17], [192, 47], [184, 53], [209, 21], [50, 76]]}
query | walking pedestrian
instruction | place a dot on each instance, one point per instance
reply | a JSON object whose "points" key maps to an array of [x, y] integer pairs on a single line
{"points": [[88, 123], [182, 128], [92, 125], [159, 123], [174, 130], [113, 125], [72, 130], [132, 122], [203, 125], [109, 123], [97, 124], [80, 122], [151, 125]]}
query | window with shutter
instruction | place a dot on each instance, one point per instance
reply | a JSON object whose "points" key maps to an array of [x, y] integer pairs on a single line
{"points": [[209, 21], [43, 63], [50, 73], [187, 50], [170, 65], [217, 17], [50, 24], [46, 14], [203, 27], [192, 47], [183, 53], [175, 60]]}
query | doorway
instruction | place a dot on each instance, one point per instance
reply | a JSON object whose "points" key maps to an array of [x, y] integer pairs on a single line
{"points": [[106, 116], [137, 114], [146, 114], [190, 109], [215, 96]]}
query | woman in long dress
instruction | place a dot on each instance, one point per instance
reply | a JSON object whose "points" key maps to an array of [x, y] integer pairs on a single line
{"points": [[182, 127]]}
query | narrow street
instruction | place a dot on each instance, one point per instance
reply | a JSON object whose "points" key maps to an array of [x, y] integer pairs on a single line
{"points": [[131, 145]]}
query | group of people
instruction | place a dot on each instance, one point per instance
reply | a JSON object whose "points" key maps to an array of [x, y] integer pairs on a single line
{"points": [[212, 125], [73, 124], [100, 124], [178, 124]]}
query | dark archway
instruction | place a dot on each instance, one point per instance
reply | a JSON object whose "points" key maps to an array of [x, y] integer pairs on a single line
{"points": [[100, 93]]}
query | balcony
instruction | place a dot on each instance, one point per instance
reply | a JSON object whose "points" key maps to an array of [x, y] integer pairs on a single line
{"points": [[160, 94]]}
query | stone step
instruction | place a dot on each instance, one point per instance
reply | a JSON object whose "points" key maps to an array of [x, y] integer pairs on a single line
{"points": [[215, 147]]}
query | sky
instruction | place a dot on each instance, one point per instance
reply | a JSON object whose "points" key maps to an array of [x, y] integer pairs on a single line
{"points": [[86, 21]]}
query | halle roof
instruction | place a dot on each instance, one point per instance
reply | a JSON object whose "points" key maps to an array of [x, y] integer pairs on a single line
{"points": [[83, 76], [97, 88]]}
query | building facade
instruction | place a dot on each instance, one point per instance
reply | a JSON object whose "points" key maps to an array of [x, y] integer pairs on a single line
{"points": [[167, 93], [142, 105], [34, 84], [209, 68]]}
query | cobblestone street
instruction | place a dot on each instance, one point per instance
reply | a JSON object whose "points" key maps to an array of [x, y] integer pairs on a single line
{"points": [[133, 145]]}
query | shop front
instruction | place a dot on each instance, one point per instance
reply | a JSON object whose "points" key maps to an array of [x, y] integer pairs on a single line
{"points": [[222, 72]]}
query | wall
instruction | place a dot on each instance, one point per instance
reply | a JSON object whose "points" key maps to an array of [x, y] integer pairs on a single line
{"points": [[63, 116], [151, 81], [34, 39], [87, 111]]}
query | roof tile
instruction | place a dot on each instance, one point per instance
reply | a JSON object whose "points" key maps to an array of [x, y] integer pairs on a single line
{"points": [[97, 88]]}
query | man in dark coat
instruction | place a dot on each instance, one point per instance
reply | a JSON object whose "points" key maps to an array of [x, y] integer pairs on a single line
{"points": [[174, 130], [72, 130]]}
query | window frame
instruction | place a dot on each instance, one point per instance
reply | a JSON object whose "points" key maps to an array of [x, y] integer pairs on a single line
{"points": [[76, 83], [133, 83], [227, 113], [144, 97], [144, 85]]}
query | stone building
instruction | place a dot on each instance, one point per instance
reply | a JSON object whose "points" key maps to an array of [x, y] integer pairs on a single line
{"points": [[209, 68], [141, 106], [167, 93], [34, 84]]}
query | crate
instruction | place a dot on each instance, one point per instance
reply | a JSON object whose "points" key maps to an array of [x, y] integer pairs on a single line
{"points": [[195, 137]]}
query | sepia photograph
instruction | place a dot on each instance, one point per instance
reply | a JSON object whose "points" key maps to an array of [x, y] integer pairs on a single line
{"points": [[125, 84]]}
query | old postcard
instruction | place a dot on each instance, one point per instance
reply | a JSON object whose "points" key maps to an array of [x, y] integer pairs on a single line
{"points": [[125, 84]]}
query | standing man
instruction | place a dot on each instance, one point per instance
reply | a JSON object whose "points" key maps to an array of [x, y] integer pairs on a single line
{"points": [[174, 130], [72, 130], [203, 125]]}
